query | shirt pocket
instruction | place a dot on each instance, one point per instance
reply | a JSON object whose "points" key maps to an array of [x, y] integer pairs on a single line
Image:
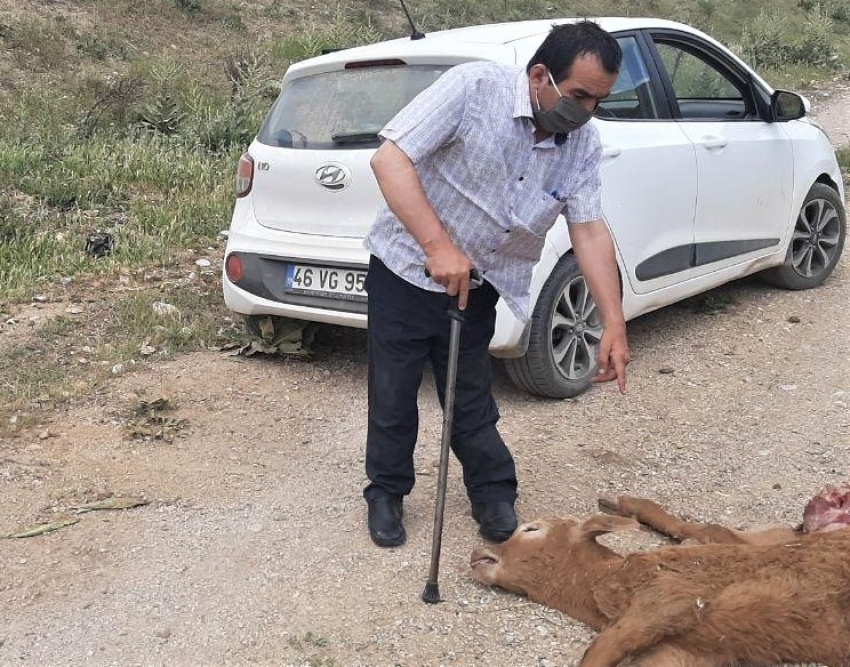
{"points": [[538, 212], [531, 219]]}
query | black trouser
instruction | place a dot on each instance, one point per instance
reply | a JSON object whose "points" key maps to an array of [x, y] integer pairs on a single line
{"points": [[408, 327]]}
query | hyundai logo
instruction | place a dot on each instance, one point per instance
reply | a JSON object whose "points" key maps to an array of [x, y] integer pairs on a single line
{"points": [[333, 176]]}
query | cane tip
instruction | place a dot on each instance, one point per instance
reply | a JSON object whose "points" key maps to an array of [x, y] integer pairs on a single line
{"points": [[431, 594]]}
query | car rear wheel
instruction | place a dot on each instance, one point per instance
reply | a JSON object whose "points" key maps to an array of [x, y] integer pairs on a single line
{"points": [[566, 328], [816, 242]]}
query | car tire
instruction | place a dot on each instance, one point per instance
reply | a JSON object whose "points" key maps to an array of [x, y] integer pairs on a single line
{"points": [[566, 328], [816, 242]]}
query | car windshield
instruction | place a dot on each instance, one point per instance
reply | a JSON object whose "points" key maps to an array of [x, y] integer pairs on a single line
{"points": [[343, 109]]}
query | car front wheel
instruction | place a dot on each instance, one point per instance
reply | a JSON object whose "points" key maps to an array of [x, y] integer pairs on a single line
{"points": [[566, 328], [816, 242]]}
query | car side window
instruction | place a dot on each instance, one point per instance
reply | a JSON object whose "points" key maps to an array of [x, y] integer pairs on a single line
{"points": [[632, 96], [702, 91]]}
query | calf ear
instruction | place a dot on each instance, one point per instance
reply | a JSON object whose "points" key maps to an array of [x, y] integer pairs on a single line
{"points": [[599, 524]]}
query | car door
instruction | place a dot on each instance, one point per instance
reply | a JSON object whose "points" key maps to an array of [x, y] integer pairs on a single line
{"points": [[649, 174], [744, 164]]}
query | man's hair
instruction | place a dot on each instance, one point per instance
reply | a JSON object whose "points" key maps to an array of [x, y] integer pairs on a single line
{"points": [[567, 42]]}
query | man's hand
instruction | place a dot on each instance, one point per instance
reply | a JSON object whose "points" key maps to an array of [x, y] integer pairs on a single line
{"points": [[614, 356], [594, 251], [450, 267]]}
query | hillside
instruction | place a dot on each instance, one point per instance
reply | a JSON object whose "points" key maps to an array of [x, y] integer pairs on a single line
{"points": [[66, 41]]}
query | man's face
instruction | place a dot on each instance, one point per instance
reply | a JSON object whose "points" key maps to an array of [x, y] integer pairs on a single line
{"points": [[586, 84]]}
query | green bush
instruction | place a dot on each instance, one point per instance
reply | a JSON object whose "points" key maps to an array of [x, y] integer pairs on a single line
{"points": [[109, 104], [189, 6], [763, 41], [814, 46], [837, 10], [771, 41]]}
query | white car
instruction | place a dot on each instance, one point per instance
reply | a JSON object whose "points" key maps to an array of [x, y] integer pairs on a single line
{"points": [[708, 175]]}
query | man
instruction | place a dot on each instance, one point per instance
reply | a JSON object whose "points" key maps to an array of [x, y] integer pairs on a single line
{"points": [[474, 172]]}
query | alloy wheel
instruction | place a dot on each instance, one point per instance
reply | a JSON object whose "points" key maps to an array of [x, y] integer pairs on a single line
{"points": [[576, 330], [816, 237]]}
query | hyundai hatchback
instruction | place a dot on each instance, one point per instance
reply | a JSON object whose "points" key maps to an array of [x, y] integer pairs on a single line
{"points": [[708, 175]]}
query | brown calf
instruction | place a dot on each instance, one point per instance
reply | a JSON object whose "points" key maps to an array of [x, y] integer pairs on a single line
{"points": [[757, 599]]}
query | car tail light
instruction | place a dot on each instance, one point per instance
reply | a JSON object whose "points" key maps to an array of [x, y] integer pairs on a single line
{"points": [[233, 268], [244, 175]]}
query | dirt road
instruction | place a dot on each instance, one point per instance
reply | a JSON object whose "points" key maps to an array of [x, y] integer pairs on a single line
{"points": [[252, 549]]}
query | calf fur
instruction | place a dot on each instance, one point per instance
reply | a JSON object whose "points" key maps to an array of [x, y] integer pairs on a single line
{"points": [[757, 599]]}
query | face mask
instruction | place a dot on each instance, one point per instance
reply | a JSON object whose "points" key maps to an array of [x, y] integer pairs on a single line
{"points": [[562, 118]]}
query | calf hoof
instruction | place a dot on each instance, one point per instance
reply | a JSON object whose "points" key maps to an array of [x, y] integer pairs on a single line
{"points": [[608, 506]]}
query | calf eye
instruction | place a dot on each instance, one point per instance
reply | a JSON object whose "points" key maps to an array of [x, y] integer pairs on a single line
{"points": [[529, 528]]}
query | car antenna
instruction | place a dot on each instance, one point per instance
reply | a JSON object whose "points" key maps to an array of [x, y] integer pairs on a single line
{"points": [[415, 34]]}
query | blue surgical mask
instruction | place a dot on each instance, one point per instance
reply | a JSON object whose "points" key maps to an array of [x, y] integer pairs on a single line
{"points": [[562, 118]]}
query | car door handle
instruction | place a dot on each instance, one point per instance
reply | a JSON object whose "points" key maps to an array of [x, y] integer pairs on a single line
{"points": [[712, 143], [610, 153]]}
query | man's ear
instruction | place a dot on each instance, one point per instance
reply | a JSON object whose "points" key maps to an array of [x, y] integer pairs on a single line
{"points": [[538, 75]]}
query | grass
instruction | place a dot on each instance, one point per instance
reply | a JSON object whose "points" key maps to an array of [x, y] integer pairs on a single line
{"points": [[130, 116], [843, 155], [156, 196]]}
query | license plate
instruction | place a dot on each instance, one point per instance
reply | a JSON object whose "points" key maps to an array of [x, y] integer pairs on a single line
{"points": [[326, 281]]}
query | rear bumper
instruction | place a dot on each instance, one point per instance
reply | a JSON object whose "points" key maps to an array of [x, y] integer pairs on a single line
{"points": [[245, 303], [260, 291]]}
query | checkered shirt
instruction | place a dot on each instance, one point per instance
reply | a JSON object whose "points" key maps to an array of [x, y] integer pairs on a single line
{"points": [[470, 136]]}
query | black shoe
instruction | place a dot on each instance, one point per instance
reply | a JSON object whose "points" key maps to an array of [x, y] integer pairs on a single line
{"points": [[496, 521], [385, 526]]}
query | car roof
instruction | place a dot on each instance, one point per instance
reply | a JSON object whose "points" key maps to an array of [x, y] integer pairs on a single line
{"points": [[503, 33], [496, 41]]}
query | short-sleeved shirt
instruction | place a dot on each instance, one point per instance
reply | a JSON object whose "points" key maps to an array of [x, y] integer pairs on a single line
{"points": [[470, 136]]}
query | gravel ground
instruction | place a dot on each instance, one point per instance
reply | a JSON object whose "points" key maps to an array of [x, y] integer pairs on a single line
{"points": [[253, 551]]}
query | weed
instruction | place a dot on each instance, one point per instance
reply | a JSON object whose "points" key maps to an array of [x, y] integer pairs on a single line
{"points": [[763, 41], [101, 46], [708, 304], [36, 46], [313, 661], [307, 643], [706, 7], [814, 44], [339, 32], [164, 110], [162, 323], [192, 7], [843, 155], [837, 10], [112, 103]]}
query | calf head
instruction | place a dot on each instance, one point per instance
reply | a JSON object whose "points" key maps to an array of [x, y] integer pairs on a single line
{"points": [[553, 561]]}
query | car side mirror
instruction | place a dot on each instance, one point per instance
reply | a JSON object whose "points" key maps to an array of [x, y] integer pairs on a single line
{"points": [[785, 106]]}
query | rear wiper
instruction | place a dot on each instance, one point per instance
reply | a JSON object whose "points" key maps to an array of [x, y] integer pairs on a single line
{"points": [[354, 137]]}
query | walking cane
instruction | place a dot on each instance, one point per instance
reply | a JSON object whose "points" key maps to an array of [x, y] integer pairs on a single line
{"points": [[431, 594]]}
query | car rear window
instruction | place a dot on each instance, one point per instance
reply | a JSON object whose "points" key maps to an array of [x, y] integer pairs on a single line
{"points": [[343, 109]]}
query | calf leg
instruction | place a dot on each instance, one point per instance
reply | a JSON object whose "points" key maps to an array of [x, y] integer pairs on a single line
{"points": [[641, 629], [656, 517], [668, 655], [755, 622]]}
